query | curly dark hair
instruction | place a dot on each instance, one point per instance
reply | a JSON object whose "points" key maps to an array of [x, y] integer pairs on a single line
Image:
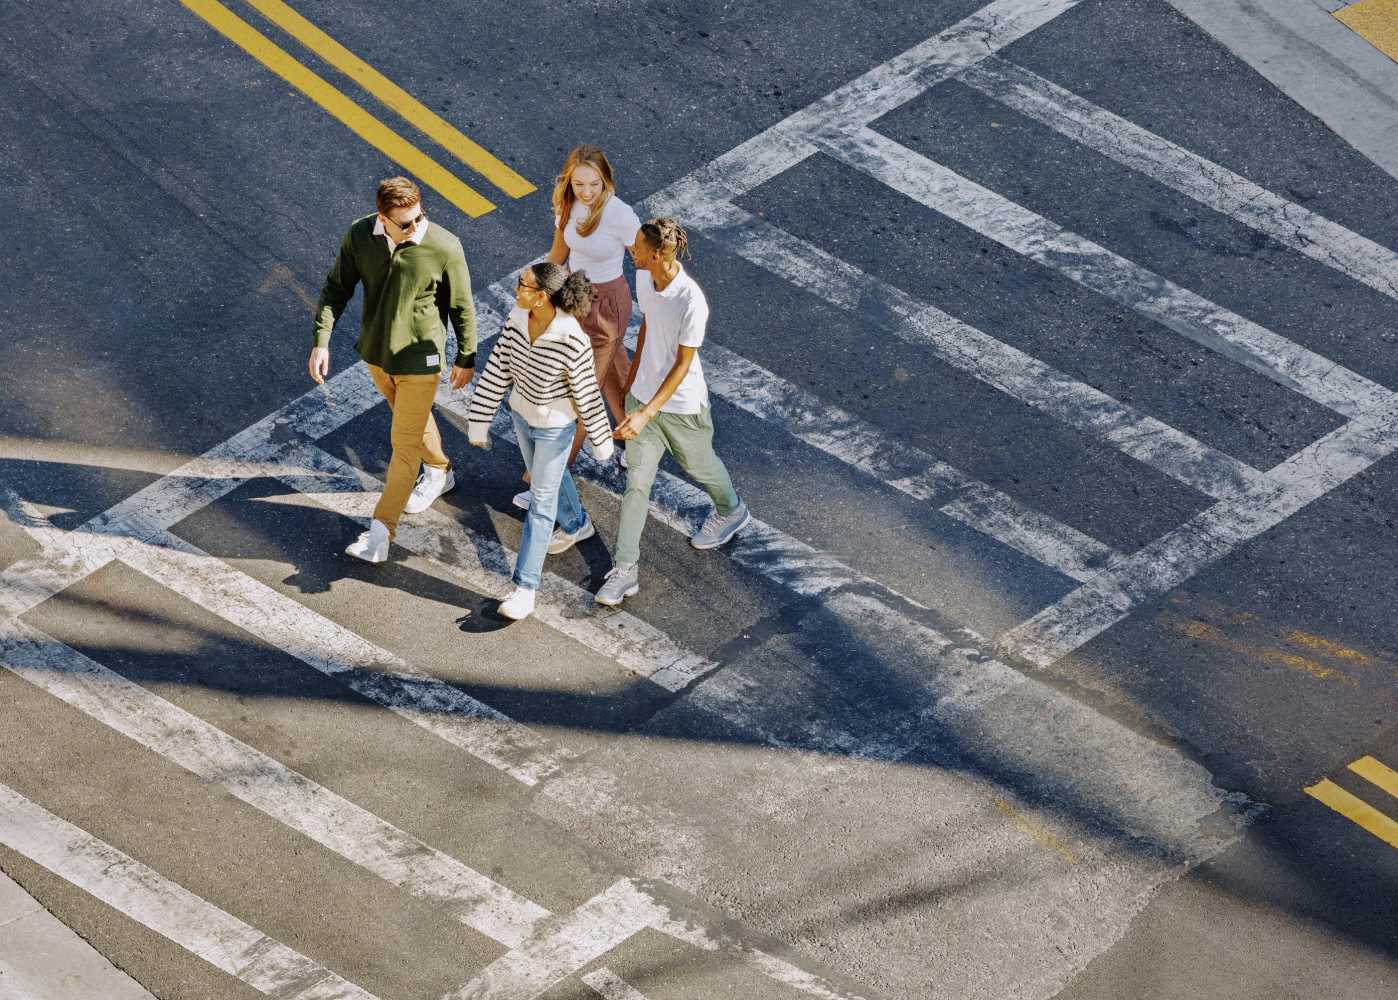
{"points": [[667, 237], [570, 292]]}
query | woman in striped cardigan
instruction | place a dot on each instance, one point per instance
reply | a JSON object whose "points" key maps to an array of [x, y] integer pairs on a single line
{"points": [[544, 356]]}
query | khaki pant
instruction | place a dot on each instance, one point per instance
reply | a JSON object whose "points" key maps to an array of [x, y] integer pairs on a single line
{"points": [[416, 440]]}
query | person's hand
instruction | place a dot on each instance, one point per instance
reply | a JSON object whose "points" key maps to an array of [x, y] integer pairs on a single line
{"points": [[461, 377], [318, 364], [634, 423]]}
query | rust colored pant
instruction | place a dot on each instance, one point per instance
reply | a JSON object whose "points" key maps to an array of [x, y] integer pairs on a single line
{"points": [[606, 328], [415, 438]]}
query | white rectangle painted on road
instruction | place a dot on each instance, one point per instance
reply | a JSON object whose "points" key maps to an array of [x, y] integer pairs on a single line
{"points": [[1111, 275], [1216, 187], [170, 910]]}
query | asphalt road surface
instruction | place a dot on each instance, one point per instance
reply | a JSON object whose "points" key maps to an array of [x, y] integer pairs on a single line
{"points": [[1052, 348]]}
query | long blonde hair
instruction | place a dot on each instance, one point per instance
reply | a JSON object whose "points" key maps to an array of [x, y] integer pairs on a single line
{"points": [[582, 156]]}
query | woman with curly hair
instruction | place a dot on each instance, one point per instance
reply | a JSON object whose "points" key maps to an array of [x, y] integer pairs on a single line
{"points": [[593, 228], [546, 359]]}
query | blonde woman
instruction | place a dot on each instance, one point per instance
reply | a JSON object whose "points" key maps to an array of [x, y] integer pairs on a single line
{"points": [[544, 357], [592, 232]]}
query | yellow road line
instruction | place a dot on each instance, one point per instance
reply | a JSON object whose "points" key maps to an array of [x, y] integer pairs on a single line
{"points": [[1375, 21], [359, 121], [395, 97], [1042, 836], [1378, 773], [1356, 810]]}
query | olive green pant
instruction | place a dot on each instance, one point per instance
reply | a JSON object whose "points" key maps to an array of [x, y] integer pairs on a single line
{"points": [[690, 438]]}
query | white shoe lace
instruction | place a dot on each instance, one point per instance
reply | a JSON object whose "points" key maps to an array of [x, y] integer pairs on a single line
{"points": [[712, 523]]}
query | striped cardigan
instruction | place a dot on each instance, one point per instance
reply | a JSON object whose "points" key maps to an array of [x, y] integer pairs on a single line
{"points": [[553, 380]]}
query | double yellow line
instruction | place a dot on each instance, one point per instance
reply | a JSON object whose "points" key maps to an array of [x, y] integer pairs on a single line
{"points": [[1355, 809], [359, 121]]}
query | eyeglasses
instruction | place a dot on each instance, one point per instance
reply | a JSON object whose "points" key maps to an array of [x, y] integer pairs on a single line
{"points": [[533, 288], [410, 225]]}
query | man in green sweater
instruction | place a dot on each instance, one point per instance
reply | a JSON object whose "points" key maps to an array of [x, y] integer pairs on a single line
{"points": [[415, 279]]}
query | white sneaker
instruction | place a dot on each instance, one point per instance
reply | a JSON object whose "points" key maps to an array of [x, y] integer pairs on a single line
{"points": [[431, 484], [519, 604], [372, 545], [562, 541], [622, 581], [523, 500]]}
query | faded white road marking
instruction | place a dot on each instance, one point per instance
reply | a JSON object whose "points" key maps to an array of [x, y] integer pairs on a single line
{"points": [[961, 345], [903, 467], [283, 794], [857, 103], [1213, 186], [170, 910], [609, 986], [1133, 580], [1111, 275]]}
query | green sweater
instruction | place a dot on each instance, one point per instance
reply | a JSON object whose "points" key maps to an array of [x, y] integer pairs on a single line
{"points": [[408, 296]]}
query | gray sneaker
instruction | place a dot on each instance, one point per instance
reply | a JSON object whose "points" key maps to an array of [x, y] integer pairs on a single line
{"points": [[622, 581], [718, 530]]}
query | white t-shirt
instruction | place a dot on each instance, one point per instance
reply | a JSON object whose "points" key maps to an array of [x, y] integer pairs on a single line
{"points": [[600, 255], [675, 317]]}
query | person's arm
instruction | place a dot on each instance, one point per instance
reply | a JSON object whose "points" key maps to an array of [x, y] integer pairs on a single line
{"points": [[334, 296], [635, 358], [558, 253], [461, 309], [637, 419], [587, 399], [494, 382]]}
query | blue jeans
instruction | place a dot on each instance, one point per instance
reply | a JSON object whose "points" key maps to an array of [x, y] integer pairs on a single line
{"points": [[545, 451]]}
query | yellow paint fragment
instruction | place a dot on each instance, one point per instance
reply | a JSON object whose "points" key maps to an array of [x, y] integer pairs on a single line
{"points": [[1375, 21]]}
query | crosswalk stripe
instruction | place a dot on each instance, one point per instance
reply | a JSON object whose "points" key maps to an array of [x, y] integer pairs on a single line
{"points": [[1377, 773], [1133, 580], [880, 90], [1208, 183], [609, 986], [1356, 810], [266, 785], [902, 467], [1111, 275], [170, 910], [563, 946], [961, 345]]}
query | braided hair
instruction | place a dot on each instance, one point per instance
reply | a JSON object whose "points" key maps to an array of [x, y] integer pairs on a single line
{"points": [[667, 237]]}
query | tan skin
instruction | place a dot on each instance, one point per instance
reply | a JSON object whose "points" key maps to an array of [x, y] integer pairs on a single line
{"points": [[663, 269], [528, 295], [399, 223]]}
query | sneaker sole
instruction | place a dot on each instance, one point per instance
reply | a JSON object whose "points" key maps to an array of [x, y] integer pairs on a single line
{"points": [[581, 537], [630, 592], [726, 537], [513, 618], [365, 557]]}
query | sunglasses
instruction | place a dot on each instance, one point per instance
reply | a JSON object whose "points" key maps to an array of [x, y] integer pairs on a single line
{"points": [[410, 225]]}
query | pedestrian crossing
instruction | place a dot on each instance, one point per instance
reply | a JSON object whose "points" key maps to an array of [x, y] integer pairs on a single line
{"points": [[1124, 812]]}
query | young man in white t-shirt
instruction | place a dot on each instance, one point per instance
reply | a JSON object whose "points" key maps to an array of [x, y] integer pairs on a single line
{"points": [[667, 406]]}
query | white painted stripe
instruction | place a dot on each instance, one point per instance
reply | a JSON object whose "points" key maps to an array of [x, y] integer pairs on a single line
{"points": [[484, 565], [609, 986], [1131, 581], [857, 103], [902, 467], [961, 345], [563, 946], [278, 620], [1111, 275], [1050, 542], [1214, 186], [170, 910], [283, 794]]}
